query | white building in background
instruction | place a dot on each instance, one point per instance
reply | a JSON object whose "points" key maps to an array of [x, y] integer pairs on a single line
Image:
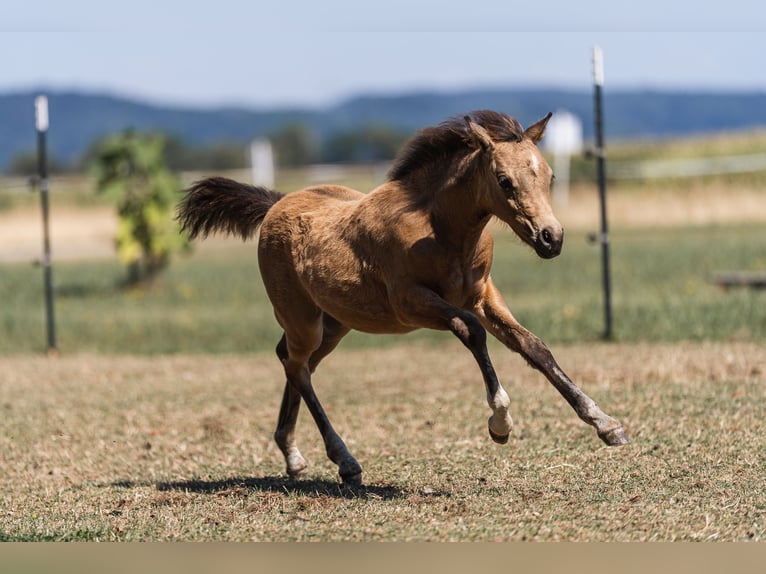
{"points": [[262, 163], [563, 139]]}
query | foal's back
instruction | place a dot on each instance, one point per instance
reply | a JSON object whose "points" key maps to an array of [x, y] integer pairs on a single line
{"points": [[318, 252], [308, 216]]}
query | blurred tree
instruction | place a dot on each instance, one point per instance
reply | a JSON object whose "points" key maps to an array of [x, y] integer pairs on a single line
{"points": [[220, 156], [130, 169], [294, 145], [368, 144], [180, 155], [177, 154]]}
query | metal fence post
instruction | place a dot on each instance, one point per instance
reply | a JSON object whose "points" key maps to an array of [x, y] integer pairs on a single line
{"points": [[598, 81], [41, 123]]}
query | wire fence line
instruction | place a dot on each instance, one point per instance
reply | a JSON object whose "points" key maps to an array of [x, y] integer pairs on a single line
{"points": [[677, 168], [687, 167]]}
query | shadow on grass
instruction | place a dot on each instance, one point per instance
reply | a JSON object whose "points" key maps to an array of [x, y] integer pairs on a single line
{"points": [[284, 485]]}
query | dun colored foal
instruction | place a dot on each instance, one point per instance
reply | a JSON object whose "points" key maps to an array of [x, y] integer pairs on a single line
{"points": [[414, 253]]}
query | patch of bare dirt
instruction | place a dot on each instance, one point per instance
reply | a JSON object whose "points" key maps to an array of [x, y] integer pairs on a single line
{"points": [[75, 233]]}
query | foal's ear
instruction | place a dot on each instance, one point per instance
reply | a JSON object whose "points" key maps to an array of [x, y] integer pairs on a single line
{"points": [[535, 131], [478, 135]]}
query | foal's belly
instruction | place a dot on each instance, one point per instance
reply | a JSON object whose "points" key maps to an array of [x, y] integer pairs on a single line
{"points": [[367, 320]]}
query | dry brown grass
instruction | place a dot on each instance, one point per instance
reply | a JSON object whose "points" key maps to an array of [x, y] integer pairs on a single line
{"points": [[179, 448], [655, 205]]}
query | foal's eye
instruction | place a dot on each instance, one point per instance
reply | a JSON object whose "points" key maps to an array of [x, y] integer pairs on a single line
{"points": [[505, 183]]}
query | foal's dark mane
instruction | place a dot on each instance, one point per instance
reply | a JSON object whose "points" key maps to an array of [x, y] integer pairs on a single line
{"points": [[441, 143]]}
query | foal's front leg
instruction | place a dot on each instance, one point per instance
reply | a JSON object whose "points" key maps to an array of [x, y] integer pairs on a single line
{"points": [[424, 308], [499, 321]]}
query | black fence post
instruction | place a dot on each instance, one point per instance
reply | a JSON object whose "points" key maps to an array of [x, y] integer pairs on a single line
{"points": [[41, 123], [598, 81]]}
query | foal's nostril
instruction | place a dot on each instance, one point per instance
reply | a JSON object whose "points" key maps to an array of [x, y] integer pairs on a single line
{"points": [[548, 241]]}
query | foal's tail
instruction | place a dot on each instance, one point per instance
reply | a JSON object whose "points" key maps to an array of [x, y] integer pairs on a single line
{"points": [[222, 204]]}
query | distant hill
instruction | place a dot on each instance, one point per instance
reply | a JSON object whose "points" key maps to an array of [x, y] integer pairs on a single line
{"points": [[77, 119]]}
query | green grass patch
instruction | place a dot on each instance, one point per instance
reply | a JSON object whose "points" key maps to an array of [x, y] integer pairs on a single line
{"points": [[74, 536], [214, 301]]}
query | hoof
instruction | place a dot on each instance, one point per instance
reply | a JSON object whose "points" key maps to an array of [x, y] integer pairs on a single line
{"points": [[351, 472], [499, 439], [296, 465], [352, 479], [615, 437], [297, 472]]}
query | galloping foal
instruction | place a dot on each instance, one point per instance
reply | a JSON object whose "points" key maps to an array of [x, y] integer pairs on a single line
{"points": [[414, 253]]}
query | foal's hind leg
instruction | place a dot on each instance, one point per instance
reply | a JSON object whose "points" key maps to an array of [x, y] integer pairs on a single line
{"points": [[306, 345], [284, 436], [332, 334]]}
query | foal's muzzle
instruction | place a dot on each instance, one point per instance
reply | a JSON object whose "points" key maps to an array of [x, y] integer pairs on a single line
{"points": [[549, 241]]}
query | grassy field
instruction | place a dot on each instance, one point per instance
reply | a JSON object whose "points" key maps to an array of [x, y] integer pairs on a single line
{"points": [[178, 448], [155, 421]]}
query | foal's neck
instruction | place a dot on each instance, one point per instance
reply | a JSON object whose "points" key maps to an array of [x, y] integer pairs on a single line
{"points": [[456, 213]]}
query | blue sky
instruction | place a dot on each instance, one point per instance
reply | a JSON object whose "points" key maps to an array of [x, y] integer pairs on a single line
{"points": [[283, 52]]}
